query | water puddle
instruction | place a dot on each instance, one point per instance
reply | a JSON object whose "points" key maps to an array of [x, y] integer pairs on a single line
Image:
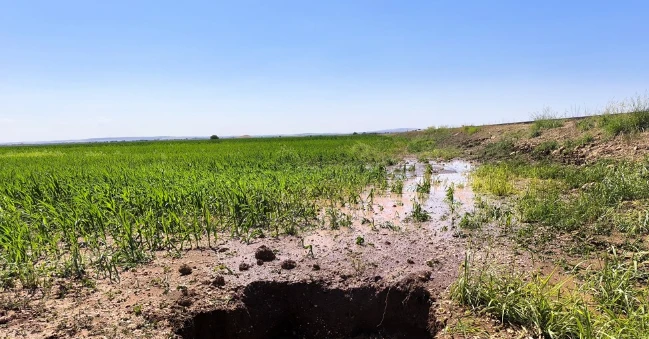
{"points": [[395, 207]]}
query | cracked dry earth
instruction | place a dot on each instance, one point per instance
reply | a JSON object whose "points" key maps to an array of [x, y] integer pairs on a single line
{"points": [[379, 279]]}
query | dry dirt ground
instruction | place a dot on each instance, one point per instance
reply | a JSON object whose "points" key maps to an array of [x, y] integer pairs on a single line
{"points": [[381, 277]]}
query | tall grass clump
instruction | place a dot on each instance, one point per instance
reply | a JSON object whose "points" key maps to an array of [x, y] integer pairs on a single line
{"points": [[517, 299], [626, 117], [546, 119], [611, 304]]}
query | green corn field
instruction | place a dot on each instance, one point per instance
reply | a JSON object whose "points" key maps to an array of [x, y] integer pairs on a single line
{"points": [[93, 209]]}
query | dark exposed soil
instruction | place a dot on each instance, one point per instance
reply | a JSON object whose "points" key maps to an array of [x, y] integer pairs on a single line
{"points": [[270, 309]]}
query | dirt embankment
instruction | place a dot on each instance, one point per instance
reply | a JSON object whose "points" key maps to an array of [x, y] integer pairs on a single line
{"points": [[568, 141]]}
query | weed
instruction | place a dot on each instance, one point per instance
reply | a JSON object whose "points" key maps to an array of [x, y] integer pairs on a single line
{"points": [[397, 187], [428, 171], [470, 221], [418, 213], [626, 117], [137, 309], [424, 186], [450, 200], [625, 123]]}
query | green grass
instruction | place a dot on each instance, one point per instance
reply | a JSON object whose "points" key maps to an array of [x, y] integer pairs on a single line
{"points": [[586, 124], [610, 304], [470, 130], [626, 123], [432, 144], [545, 120], [573, 144], [493, 179], [572, 210], [91, 210], [419, 214], [628, 116], [445, 153], [397, 187], [498, 150], [545, 148], [567, 197]]}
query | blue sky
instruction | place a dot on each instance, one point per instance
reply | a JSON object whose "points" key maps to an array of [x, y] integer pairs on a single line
{"points": [[80, 69]]}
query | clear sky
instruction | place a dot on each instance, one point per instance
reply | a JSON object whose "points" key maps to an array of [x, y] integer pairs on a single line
{"points": [[82, 69]]}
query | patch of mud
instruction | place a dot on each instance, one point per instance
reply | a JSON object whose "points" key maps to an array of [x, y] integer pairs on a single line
{"points": [[270, 309]]}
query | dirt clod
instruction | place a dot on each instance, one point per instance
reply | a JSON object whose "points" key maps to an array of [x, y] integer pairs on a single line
{"points": [[185, 269], [264, 253], [289, 264], [218, 281], [244, 266], [185, 301], [316, 267], [260, 262]]}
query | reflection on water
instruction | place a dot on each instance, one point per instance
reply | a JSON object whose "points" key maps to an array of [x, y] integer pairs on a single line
{"points": [[392, 209]]}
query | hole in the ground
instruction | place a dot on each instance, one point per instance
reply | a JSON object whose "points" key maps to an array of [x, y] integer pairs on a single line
{"points": [[310, 310]]}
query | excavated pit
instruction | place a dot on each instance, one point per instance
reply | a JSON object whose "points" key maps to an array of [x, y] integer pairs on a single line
{"points": [[269, 309]]}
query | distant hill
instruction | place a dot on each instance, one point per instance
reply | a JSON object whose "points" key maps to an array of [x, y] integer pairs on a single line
{"points": [[159, 138]]}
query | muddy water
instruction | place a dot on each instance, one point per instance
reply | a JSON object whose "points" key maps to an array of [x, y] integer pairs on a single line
{"points": [[396, 208]]}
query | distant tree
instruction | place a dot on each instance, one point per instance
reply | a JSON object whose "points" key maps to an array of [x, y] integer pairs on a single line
{"points": [[355, 133], [214, 137]]}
